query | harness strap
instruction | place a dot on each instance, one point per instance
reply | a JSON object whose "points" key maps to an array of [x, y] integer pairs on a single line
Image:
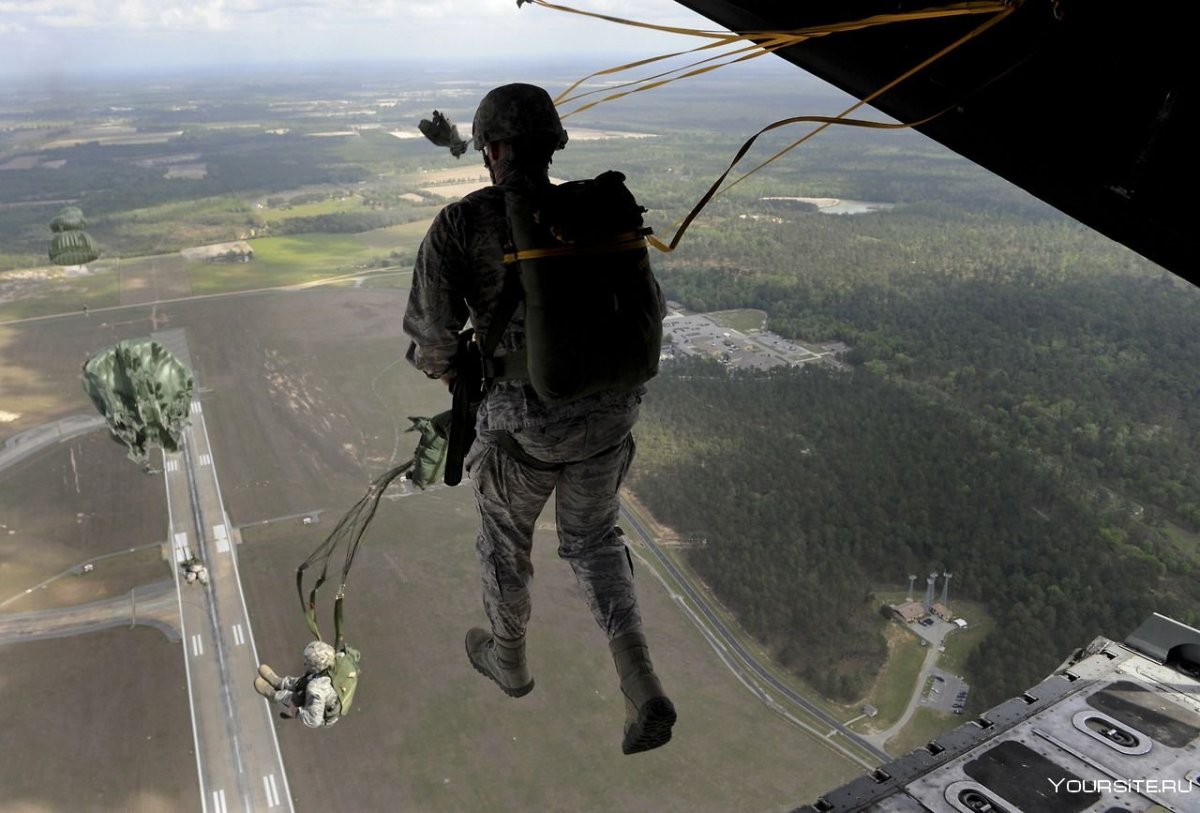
{"points": [[508, 443]]}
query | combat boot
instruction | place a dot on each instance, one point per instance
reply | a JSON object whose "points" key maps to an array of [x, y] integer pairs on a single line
{"points": [[262, 687], [649, 714], [268, 674], [500, 659]]}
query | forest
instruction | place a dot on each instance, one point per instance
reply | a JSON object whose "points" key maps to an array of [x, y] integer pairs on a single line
{"points": [[1021, 406], [813, 486]]}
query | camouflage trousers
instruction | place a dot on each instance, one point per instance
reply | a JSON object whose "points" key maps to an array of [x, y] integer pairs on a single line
{"points": [[591, 454]]}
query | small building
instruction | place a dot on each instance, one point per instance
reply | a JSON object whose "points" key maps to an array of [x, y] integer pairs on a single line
{"points": [[908, 612], [941, 611], [961, 623]]}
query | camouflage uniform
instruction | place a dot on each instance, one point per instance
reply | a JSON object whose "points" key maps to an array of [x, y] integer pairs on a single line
{"points": [[321, 706], [459, 273]]}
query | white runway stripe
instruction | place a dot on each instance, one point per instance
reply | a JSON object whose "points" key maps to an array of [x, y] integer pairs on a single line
{"points": [[219, 801], [205, 460], [196, 408], [238, 637], [197, 646], [271, 789]]}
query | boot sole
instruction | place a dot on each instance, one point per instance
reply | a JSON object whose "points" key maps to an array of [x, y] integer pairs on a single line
{"points": [[652, 728], [520, 691]]}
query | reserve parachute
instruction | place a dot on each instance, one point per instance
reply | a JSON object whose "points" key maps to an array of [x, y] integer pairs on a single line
{"points": [[144, 393]]}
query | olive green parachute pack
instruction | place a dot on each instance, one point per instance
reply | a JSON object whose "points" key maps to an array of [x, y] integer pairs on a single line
{"points": [[593, 309], [429, 460], [143, 391], [593, 312]]}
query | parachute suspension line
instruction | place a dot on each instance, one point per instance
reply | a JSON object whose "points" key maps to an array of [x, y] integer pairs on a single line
{"points": [[350, 530], [826, 121], [759, 42]]}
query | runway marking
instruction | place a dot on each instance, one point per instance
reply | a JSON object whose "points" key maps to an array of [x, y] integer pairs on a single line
{"points": [[238, 637], [196, 408], [172, 465], [197, 646], [219, 801], [181, 547], [205, 460], [222, 538], [272, 791]]}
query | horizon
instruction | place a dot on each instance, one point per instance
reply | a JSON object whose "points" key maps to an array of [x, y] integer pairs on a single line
{"points": [[63, 39]]}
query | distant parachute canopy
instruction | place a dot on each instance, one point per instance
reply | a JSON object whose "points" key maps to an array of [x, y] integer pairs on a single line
{"points": [[71, 245], [144, 393]]}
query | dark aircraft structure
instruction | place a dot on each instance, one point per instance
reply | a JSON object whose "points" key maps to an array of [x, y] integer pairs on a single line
{"points": [[1088, 105]]}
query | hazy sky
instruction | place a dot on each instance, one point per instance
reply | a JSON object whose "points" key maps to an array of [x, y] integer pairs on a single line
{"points": [[62, 37]]}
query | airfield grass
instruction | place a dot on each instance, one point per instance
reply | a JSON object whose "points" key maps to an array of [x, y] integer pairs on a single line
{"points": [[427, 733], [305, 396], [67, 505], [97, 290], [40, 361], [153, 278], [96, 722]]}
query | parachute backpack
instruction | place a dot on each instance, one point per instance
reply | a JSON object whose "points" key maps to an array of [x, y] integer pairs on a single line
{"points": [[593, 315]]}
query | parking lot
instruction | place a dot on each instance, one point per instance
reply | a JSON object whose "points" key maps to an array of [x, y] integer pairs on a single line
{"points": [[945, 692], [700, 335]]}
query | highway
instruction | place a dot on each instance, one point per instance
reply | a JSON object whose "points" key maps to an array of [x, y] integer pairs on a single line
{"points": [[237, 753], [733, 645]]}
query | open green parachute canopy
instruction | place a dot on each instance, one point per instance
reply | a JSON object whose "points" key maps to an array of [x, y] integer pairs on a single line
{"points": [[71, 245], [144, 393]]}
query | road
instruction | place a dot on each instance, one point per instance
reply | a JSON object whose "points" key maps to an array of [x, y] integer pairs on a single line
{"points": [[730, 642], [154, 605], [23, 444], [237, 753]]}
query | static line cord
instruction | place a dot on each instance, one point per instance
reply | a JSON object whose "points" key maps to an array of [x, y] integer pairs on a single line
{"points": [[825, 121], [768, 41], [764, 42]]}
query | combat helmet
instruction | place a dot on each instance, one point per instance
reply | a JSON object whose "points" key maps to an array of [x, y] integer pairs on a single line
{"points": [[515, 110], [319, 656]]}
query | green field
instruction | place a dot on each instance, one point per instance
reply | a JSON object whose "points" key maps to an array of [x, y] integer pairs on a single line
{"points": [[896, 683], [925, 725], [743, 320]]}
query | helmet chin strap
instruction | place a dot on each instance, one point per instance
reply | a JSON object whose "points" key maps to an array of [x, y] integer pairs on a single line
{"points": [[497, 170]]}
